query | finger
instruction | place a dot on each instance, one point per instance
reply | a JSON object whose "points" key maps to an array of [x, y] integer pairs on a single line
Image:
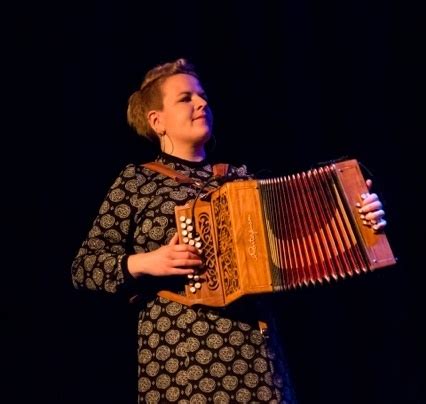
{"points": [[190, 255], [174, 240], [368, 198], [380, 225], [364, 197], [185, 248], [371, 207], [369, 184], [186, 262], [374, 216]]}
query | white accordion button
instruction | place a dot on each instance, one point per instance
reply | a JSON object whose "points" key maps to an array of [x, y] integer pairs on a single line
{"points": [[182, 218], [192, 289], [184, 232], [198, 285], [188, 221], [198, 244], [191, 242], [190, 228]]}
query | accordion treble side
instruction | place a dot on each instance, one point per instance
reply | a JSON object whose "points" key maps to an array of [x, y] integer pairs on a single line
{"points": [[272, 235]]}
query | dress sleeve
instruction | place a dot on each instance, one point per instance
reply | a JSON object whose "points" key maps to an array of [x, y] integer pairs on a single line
{"points": [[100, 263]]}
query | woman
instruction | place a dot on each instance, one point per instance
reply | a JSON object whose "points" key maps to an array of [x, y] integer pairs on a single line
{"points": [[185, 355]]}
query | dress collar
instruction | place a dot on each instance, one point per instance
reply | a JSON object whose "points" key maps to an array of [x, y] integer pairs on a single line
{"points": [[168, 158]]}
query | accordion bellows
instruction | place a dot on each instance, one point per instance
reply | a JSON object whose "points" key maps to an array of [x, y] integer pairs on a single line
{"points": [[271, 235]]}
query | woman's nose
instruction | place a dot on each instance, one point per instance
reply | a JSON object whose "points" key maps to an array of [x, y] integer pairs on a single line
{"points": [[200, 103]]}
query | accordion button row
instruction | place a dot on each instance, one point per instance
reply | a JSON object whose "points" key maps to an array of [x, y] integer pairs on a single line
{"points": [[189, 238]]}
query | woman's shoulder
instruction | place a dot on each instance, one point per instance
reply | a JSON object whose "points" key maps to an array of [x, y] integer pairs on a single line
{"points": [[133, 174], [135, 169]]}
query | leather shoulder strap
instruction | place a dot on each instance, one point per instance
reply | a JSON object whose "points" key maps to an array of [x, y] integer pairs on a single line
{"points": [[169, 172], [220, 170]]}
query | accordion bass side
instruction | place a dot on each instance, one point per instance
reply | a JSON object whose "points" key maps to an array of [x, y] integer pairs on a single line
{"points": [[272, 235]]}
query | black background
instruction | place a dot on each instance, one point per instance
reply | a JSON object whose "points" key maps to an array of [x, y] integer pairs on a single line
{"points": [[291, 84]]}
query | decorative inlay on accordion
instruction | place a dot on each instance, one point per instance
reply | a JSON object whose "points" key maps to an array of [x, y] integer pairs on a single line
{"points": [[271, 235]]}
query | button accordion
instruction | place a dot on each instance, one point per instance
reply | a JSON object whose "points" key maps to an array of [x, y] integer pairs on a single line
{"points": [[272, 235]]}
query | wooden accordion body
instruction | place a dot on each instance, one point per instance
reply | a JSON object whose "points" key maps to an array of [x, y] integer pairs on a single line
{"points": [[271, 235]]}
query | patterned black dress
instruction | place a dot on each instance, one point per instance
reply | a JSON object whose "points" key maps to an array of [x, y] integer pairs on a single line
{"points": [[185, 355]]}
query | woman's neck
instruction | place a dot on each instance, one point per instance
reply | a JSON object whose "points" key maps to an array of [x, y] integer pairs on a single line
{"points": [[185, 153]]}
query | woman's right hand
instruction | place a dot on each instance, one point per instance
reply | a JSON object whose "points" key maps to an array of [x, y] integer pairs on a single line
{"points": [[170, 259]]}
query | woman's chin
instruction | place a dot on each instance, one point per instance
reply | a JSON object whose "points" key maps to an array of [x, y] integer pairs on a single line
{"points": [[204, 137]]}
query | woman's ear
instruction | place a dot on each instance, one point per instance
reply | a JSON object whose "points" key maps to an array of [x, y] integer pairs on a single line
{"points": [[155, 121]]}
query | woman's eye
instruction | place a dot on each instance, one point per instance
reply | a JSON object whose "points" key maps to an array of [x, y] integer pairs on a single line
{"points": [[187, 98]]}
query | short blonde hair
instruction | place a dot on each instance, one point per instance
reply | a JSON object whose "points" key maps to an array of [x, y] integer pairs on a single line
{"points": [[150, 97]]}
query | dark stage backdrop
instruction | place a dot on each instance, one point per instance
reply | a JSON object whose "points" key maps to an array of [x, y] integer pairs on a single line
{"points": [[291, 84]]}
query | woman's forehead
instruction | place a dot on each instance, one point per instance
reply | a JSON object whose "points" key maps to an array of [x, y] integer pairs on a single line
{"points": [[181, 83]]}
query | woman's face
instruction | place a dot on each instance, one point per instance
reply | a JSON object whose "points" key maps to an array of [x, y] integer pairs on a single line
{"points": [[186, 116]]}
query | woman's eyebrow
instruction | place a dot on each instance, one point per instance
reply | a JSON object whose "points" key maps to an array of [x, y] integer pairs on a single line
{"points": [[200, 93]]}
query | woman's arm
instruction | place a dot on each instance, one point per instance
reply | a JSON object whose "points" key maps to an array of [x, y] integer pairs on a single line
{"points": [[99, 264]]}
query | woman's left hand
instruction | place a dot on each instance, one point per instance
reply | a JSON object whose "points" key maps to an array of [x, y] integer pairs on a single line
{"points": [[371, 210]]}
